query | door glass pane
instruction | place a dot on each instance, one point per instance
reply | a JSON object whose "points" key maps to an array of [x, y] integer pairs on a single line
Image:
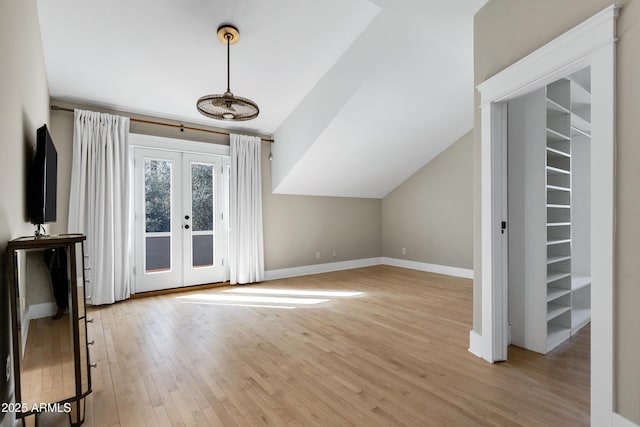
{"points": [[202, 197], [202, 250], [157, 196], [158, 253], [203, 214], [157, 191]]}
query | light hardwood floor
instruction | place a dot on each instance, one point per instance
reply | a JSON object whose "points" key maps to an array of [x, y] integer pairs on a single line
{"points": [[396, 354], [47, 366]]}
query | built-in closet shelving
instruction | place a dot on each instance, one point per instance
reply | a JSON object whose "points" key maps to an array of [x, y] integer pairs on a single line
{"points": [[558, 211], [548, 193], [581, 201]]}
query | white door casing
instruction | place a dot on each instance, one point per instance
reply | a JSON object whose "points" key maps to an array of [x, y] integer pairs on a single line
{"points": [[199, 271], [186, 266], [161, 268], [590, 44]]}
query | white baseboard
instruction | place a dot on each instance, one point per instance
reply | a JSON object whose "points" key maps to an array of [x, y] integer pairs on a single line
{"points": [[305, 270], [431, 268], [620, 421], [475, 343], [40, 311], [35, 311], [367, 262]]}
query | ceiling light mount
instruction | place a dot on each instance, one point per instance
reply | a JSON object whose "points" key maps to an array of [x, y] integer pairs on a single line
{"points": [[228, 31], [228, 106]]}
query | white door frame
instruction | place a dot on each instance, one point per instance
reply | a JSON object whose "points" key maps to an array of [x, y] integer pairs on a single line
{"points": [[197, 275], [173, 145], [590, 44], [163, 279]]}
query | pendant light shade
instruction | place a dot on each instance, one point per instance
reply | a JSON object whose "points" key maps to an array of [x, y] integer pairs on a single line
{"points": [[228, 106]]}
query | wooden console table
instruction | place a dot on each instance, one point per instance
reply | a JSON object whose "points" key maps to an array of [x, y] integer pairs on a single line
{"points": [[56, 350]]}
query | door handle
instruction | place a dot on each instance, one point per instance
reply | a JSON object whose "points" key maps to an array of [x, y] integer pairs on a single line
{"points": [[186, 226]]}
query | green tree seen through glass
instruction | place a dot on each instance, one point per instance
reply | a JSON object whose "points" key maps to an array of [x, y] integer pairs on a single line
{"points": [[157, 191], [202, 197]]}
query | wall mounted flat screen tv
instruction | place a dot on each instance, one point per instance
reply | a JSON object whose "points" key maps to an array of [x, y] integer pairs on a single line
{"points": [[43, 180]]}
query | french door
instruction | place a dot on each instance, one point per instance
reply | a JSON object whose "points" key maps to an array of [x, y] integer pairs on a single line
{"points": [[180, 219]]}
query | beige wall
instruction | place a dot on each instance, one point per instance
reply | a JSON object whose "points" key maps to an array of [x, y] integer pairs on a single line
{"points": [[295, 227], [507, 30], [24, 106], [431, 213], [61, 131]]}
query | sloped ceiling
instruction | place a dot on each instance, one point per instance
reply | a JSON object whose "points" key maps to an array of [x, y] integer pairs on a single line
{"points": [[358, 94]]}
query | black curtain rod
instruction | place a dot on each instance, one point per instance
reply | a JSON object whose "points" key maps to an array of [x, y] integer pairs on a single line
{"points": [[171, 125]]}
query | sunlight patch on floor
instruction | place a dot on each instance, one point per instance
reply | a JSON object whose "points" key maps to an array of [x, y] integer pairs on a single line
{"points": [[249, 296], [297, 292], [287, 307], [249, 299]]}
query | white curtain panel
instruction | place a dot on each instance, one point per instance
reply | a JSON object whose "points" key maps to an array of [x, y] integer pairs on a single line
{"points": [[246, 257], [99, 202]]}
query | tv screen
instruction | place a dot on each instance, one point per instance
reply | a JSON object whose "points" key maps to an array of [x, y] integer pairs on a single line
{"points": [[43, 180]]}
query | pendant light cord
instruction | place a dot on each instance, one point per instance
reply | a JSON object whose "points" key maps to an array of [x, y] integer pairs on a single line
{"points": [[228, 36], [226, 106]]}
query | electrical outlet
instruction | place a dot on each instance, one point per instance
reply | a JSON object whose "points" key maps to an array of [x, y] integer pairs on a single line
{"points": [[318, 254], [334, 254], [8, 368], [404, 251]]}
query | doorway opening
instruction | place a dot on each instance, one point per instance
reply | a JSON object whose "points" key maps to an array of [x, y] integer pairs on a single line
{"points": [[180, 200], [548, 166]]}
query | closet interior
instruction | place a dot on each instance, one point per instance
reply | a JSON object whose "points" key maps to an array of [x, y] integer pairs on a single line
{"points": [[548, 168]]}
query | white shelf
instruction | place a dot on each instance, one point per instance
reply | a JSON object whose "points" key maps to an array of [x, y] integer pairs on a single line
{"points": [[557, 242], [556, 335], [556, 259], [581, 124], [557, 188], [554, 277], [580, 97], [579, 281], [550, 205], [555, 310], [554, 107], [553, 135], [557, 224], [551, 169], [558, 152], [559, 92], [580, 317], [555, 293]]}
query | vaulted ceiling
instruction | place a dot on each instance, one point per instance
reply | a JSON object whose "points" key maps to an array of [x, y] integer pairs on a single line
{"points": [[358, 94]]}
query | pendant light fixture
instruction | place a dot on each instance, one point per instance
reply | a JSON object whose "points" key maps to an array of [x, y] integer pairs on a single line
{"points": [[228, 106]]}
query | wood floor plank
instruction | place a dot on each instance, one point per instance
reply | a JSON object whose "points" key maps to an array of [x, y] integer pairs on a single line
{"points": [[395, 354]]}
